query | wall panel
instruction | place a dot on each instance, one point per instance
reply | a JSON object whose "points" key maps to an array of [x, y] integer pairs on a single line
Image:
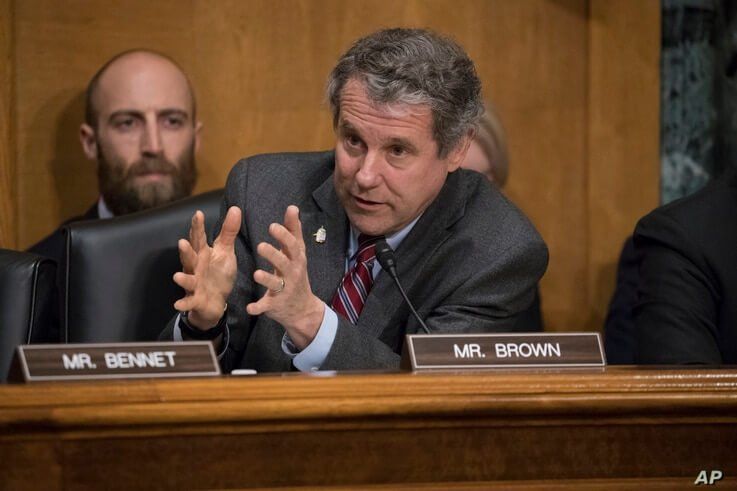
{"points": [[259, 69], [623, 142], [8, 200]]}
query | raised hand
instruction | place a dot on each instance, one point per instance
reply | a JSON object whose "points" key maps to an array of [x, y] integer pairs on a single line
{"points": [[208, 272], [289, 299]]}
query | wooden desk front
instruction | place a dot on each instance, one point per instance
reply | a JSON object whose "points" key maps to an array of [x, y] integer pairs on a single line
{"points": [[607, 429]]}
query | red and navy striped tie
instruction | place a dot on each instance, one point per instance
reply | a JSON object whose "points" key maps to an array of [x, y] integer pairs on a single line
{"points": [[356, 285]]}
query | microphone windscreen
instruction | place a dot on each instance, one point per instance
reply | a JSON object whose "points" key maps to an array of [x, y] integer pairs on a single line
{"points": [[385, 256]]}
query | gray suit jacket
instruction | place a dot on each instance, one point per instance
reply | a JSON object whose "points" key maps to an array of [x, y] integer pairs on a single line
{"points": [[470, 264]]}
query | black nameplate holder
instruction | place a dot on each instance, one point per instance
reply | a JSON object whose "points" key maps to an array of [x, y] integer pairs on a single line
{"points": [[47, 362], [495, 351]]}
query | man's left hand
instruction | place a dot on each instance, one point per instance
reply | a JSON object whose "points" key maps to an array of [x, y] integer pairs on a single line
{"points": [[289, 299]]}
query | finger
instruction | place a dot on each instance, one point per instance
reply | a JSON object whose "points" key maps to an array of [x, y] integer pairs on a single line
{"points": [[273, 255], [230, 228], [187, 256], [186, 304], [197, 235], [293, 223], [187, 281], [270, 281], [258, 308], [192, 300], [289, 244], [203, 262]]}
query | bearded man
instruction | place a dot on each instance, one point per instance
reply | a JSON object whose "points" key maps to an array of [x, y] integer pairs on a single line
{"points": [[141, 129]]}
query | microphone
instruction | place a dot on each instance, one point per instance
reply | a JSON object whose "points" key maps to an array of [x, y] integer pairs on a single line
{"points": [[385, 256]]}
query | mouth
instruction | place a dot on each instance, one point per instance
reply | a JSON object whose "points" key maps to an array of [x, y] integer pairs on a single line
{"points": [[366, 204], [152, 176]]}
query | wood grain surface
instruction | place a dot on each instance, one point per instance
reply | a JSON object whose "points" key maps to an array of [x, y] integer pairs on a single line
{"points": [[571, 428], [623, 149], [8, 196]]}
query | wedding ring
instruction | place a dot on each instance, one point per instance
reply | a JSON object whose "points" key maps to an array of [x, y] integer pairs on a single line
{"points": [[281, 287]]}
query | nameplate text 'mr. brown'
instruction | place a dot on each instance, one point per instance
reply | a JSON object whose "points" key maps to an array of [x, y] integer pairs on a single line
{"points": [[489, 351]]}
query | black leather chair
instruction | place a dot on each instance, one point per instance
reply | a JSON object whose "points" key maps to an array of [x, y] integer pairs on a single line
{"points": [[27, 296], [118, 274]]}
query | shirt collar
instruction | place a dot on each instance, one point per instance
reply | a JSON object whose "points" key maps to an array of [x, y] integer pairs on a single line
{"points": [[393, 240], [102, 210]]}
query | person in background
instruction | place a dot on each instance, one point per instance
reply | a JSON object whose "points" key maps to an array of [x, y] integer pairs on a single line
{"points": [[619, 326], [488, 155], [686, 309], [142, 132]]}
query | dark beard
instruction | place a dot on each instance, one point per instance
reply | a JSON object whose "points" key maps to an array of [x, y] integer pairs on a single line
{"points": [[122, 195]]}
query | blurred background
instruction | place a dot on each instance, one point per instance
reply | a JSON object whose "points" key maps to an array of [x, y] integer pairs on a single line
{"points": [[577, 84]]}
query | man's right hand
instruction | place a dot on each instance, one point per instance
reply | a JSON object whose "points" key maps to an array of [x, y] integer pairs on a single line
{"points": [[208, 272]]}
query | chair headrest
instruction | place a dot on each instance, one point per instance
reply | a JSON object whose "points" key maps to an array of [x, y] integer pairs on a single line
{"points": [[26, 301], [118, 275]]}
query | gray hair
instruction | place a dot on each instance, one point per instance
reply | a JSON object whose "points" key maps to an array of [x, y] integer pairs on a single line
{"points": [[414, 66]]}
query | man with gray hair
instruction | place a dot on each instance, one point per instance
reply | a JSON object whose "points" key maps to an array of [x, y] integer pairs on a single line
{"points": [[292, 280]]}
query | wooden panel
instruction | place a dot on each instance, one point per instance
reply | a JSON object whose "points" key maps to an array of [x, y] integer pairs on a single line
{"points": [[259, 69], [604, 428], [540, 84], [8, 198], [624, 135]]}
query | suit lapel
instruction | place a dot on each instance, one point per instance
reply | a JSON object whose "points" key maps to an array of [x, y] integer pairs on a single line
{"points": [[430, 231], [326, 260]]}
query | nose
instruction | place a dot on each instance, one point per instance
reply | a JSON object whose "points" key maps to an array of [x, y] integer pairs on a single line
{"points": [[368, 173], [151, 144]]}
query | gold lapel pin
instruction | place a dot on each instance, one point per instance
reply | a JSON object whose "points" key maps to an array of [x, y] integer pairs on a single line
{"points": [[320, 235]]}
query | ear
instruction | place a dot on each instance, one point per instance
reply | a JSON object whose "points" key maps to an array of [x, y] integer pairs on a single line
{"points": [[197, 130], [458, 154], [88, 141]]}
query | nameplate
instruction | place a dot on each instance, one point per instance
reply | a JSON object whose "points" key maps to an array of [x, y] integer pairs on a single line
{"points": [[44, 362], [521, 350]]}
